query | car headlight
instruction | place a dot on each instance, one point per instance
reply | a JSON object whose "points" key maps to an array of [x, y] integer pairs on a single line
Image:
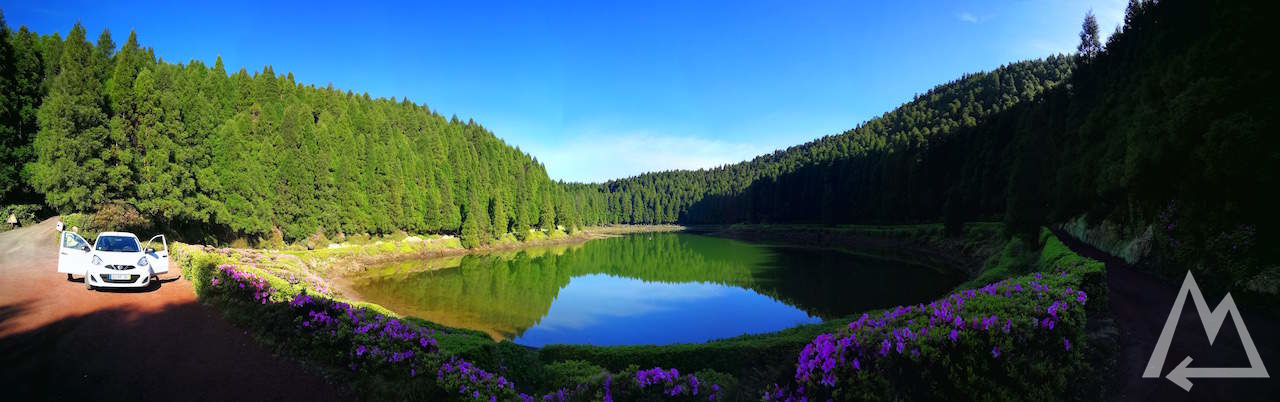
{"points": [[96, 260], [142, 262]]}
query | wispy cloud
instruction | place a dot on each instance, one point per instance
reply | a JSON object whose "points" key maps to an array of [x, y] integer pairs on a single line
{"points": [[972, 18], [600, 155]]}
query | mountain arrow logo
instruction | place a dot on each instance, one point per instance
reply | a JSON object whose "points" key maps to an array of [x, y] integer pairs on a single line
{"points": [[1212, 323]]}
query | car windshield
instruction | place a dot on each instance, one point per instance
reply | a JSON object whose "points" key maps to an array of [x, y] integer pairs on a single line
{"points": [[117, 244]]}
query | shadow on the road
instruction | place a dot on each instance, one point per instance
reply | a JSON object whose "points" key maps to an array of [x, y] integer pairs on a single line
{"points": [[152, 286], [10, 311], [182, 351]]}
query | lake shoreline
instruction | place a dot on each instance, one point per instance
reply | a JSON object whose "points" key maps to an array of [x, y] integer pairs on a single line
{"points": [[340, 270], [926, 244]]}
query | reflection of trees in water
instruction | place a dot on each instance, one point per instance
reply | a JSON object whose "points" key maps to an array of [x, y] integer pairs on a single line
{"points": [[508, 293]]}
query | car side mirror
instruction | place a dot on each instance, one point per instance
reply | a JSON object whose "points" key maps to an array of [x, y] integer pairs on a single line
{"points": [[84, 248], [151, 250]]}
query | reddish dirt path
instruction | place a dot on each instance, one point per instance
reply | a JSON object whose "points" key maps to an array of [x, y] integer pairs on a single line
{"points": [[59, 341], [1141, 302]]}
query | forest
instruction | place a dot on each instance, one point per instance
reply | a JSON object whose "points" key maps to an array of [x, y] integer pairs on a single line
{"points": [[1162, 126], [87, 127]]}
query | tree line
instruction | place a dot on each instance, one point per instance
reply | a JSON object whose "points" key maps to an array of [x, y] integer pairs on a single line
{"points": [[817, 182], [249, 154]]}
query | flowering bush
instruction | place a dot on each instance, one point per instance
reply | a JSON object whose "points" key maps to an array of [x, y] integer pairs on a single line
{"points": [[656, 384], [1007, 340]]}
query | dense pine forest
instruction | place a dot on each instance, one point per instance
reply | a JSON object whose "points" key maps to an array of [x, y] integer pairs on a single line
{"points": [[248, 154], [1164, 126], [772, 189]]}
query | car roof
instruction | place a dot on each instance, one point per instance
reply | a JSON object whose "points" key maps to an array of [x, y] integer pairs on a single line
{"points": [[125, 234]]}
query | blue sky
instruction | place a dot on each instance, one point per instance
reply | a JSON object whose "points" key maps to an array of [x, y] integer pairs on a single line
{"points": [[599, 90]]}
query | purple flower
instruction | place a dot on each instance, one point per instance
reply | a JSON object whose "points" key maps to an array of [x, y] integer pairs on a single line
{"points": [[955, 335], [995, 351], [1066, 343]]}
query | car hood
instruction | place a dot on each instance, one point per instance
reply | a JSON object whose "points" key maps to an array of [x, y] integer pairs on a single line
{"points": [[118, 258]]}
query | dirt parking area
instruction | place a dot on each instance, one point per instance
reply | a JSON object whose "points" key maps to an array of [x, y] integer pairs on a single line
{"points": [[60, 341]]}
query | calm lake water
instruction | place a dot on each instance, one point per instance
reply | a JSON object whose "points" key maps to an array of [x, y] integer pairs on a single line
{"points": [[647, 289]]}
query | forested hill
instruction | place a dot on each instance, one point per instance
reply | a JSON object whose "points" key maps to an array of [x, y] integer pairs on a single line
{"points": [[189, 145], [664, 197], [1170, 125]]}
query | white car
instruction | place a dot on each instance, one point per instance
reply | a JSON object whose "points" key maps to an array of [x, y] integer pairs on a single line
{"points": [[116, 259]]}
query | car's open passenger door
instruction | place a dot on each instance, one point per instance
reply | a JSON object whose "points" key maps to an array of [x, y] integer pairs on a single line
{"points": [[158, 257], [73, 254]]}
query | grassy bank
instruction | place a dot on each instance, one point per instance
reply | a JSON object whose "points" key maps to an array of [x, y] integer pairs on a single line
{"points": [[1047, 282]]}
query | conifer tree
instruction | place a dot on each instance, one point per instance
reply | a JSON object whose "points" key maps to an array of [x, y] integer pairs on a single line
{"points": [[73, 132], [9, 141], [23, 104], [1090, 44]]}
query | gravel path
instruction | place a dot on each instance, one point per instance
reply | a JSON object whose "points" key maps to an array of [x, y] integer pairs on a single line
{"points": [[1140, 304]]}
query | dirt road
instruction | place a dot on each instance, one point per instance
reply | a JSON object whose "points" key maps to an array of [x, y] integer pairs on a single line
{"points": [[59, 341], [1141, 302]]}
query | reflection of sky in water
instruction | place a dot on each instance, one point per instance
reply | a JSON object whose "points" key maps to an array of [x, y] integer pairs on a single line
{"points": [[607, 310]]}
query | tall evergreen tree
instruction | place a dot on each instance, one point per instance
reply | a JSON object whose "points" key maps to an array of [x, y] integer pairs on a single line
{"points": [[498, 211], [24, 103], [73, 132], [9, 140], [1090, 43]]}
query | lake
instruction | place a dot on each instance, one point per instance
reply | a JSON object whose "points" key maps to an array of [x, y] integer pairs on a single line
{"points": [[647, 289]]}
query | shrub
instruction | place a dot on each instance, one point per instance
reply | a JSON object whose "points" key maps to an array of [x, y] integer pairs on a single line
{"points": [[25, 213], [240, 242], [119, 216], [1008, 340], [274, 241], [317, 240]]}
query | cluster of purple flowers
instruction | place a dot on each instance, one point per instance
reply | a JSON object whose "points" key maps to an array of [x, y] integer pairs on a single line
{"points": [[665, 383], [245, 280], [670, 381], [471, 381], [991, 315]]}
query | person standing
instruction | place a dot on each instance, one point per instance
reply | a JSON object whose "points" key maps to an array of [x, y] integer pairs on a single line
{"points": [[13, 220], [59, 226]]}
